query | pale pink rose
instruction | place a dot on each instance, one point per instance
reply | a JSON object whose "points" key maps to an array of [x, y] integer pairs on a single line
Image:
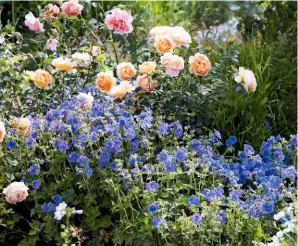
{"points": [[72, 8], [159, 31], [33, 23], [51, 12], [177, 34], [247, 79], [120, 90], [172, 64], [180, 36], [52, 44], [15, 192], [120, 21], [2, 131]]}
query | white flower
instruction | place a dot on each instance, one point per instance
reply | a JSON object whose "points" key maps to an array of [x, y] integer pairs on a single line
{"points": [[82, 58], [77, 212], [279, 215], [247, 78], [86, 100], [280, 234], [60, 211]]}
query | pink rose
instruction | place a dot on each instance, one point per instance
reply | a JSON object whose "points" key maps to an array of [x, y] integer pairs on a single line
{"points": [[51, 12], [52, 44], [15, 192], [33, 23], [120, 21], [72, 8], [172, 64], [2, 131]]}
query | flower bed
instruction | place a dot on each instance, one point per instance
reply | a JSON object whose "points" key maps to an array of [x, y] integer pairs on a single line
{"points": [[93, 164]]}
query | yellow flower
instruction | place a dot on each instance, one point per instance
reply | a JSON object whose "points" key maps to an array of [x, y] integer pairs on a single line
{"points": [[147, 67]]}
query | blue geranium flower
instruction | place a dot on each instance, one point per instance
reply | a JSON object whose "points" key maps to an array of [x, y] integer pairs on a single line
{"points": [[33, 170], [193, 200], [35, 184], [61, 145], [181, 154], [29, 141], [88, 170], [130, 134], [221, 215], [162, 157], [48, 207], [57, 198], [231, 141], [152, 186], [73, 157], [153, 207], [169, 166], [196, 219], [157, 222], [11, 144], [268, 207], [164, 128], [104, 158]]}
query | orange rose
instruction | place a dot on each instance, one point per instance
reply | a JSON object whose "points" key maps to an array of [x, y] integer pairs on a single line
{"points": [[164, 44], [125, 70], [121, 89], [199, 64], [23, 126], [147, 67], [42, 79], [105, 81], [146, 83], [64, 64]]}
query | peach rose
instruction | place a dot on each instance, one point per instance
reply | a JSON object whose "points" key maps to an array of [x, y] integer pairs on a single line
{"points": [[23, 126], [164, 44], [247, 78], [126, 70], [199, 64], [120, 90], [2, 131], [86, 100], [72, 8], [82, 58], [15, 192], [105, 81], [159, 31], [120, 21], [147, 67], [14, 123], [172, 64], [64, 64], [146, 83], [42, 79], [51, 12]]}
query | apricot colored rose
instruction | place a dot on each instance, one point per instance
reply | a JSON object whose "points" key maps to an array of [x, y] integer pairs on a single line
{"points": [[15, 192], [64, 64], [120, 90], [23, 126], [147, 67], [199, 64], [146, 83], [105, 81], [164, 44], [126, 70], [42, 79]]}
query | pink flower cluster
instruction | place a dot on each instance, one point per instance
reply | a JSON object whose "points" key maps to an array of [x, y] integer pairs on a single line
{"points": [[120, 21], [33, 23], [70, 8]]}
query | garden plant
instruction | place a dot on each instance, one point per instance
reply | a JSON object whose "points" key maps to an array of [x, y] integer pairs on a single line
{"points": [[137, 124]]}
